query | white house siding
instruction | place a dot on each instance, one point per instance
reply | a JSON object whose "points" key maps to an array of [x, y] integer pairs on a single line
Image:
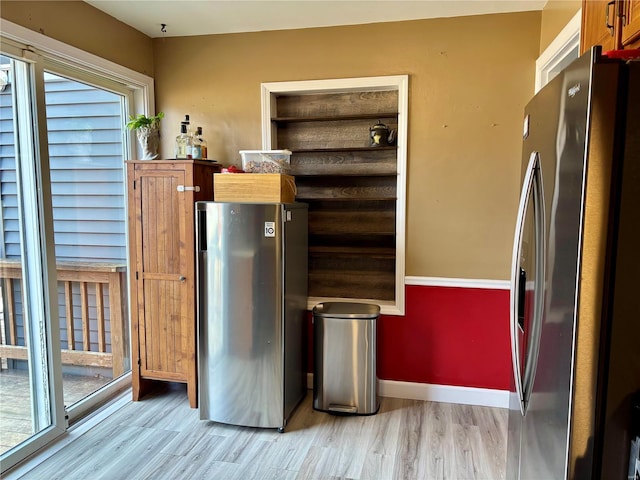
{"points": [[10, 246]]}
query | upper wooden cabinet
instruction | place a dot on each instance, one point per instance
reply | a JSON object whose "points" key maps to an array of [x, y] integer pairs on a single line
{"points": [[631, 24], [599, 25], [614, 25], [161, 197]]}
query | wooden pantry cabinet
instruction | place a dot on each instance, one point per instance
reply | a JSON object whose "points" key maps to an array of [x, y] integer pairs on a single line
{"points": [[161, 197], [613, 24], [355, 191]]}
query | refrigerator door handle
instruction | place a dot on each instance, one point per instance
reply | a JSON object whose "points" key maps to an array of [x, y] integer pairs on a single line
{"points": [[535, 329], [515, 297]]}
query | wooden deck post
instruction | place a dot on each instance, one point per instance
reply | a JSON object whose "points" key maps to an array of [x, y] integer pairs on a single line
{"points": [[117, 309]]}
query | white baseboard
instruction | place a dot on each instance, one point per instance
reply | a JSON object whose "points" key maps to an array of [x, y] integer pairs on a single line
{"points": [[458, 282], [484, 397]]}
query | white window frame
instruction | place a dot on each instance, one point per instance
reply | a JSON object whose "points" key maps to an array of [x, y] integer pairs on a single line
{"points": [[399, 83], [567, 40]]}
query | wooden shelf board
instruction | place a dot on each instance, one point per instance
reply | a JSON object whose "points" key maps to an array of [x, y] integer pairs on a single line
{"points": [[338, 174], [324, 118], [340, 296], [381, 252], [353, 234], [374, 204], [342, 149], [352, 284], [341, 199], [331, 274]]}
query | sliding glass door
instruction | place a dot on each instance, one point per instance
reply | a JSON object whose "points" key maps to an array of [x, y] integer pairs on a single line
{"points": [[85, 130], [31, 406], [86, 323], [64, 323]]}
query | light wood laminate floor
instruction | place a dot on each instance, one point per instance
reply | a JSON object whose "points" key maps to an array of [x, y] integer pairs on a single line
{"points": [[160, 437]]}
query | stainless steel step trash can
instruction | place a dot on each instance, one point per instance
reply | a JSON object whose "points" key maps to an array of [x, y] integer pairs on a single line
{"points": [[344, 360]]}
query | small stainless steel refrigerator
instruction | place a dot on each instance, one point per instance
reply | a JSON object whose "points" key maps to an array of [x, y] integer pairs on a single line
{"points": [[575, 294], [252, 301]]}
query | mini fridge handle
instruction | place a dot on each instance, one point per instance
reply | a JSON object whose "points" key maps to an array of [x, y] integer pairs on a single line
{"points": [[201, 223]]}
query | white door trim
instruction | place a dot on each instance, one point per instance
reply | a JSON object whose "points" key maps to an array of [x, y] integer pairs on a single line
{"points": [[558, 49]]}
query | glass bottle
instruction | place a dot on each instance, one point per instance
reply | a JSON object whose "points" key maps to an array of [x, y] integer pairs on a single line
{"points": [[199, 145], [183, 148]]}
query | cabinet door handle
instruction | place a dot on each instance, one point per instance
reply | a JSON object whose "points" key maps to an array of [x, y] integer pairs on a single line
{"points": [[623, 10], [607, 8], [182, 278], [182, 188]]}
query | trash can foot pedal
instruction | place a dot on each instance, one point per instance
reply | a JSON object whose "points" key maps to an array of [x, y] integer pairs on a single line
{"points": [[333, 408]]}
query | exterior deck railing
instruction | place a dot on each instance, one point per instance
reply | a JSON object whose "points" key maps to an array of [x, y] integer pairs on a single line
{"points": [[87, 275]]}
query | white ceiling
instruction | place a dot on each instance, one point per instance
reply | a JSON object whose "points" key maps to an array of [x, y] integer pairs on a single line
{"points": [[203, 17]]}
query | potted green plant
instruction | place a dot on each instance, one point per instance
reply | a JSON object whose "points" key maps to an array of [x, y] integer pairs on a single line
{"points": [[148, 132]]}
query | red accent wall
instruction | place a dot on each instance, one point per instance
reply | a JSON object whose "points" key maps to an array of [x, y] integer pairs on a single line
{"points": [[448, 336]]}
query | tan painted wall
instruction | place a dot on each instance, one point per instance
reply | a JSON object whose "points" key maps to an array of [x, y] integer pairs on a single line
{"points": [[469, 78], [555, 15], [85, 27]]}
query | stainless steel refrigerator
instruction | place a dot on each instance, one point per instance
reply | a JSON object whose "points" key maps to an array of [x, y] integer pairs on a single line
{"points": [[575, 289], [252, 301]]}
